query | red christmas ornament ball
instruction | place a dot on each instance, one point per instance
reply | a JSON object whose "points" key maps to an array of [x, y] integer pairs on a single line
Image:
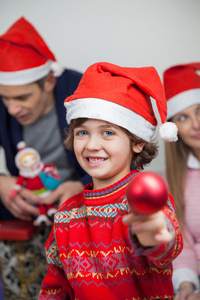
{"points": [[147, 193]]}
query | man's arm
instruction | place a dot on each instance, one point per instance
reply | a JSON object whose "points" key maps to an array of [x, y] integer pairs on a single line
{"points": [[63, 192]]}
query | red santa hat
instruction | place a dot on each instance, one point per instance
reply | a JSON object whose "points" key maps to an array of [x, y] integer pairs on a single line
{"points": [[121, 96], [24, 56], [182, 87]]}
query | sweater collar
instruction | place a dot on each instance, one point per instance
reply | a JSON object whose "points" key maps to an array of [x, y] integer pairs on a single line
{"points": [[105, 195], [193, 162]]}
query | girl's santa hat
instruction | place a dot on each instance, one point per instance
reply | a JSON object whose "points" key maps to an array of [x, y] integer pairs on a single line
{"points": [[182, 87], [24, 56], [121, 96]]}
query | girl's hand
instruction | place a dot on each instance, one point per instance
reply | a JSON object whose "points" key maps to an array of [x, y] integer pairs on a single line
{"points": [[150, 230], [186, 292], [195, 296]]}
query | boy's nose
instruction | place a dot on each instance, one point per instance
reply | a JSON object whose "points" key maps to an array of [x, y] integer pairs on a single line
{"points": [[93, 143]]}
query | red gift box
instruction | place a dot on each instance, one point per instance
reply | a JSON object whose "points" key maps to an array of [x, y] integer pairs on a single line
{"points": [[15, 230]]}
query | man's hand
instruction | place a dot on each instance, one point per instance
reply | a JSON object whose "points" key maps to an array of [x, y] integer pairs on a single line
{"points": [[18, 206], [63, 192], [150, 230]]}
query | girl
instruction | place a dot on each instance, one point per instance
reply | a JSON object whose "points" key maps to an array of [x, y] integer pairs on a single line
{"points": [[99, 249], [182, 88]]}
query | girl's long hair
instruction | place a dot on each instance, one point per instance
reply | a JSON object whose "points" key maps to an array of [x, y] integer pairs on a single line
{"points": [[176, 155]]}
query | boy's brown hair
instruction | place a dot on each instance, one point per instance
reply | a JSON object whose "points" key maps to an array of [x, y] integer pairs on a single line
{"points": [[139, 160]]}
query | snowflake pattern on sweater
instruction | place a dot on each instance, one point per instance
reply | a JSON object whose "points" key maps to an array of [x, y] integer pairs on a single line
{"points": [[91, 255]]}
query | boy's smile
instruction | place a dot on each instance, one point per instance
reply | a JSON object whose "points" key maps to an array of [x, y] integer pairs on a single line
{"points": [[103, 150], [93, 161]]}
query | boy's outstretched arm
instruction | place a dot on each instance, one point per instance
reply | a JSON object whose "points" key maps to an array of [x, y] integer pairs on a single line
{"points": [[158, 235], [150, 230]]}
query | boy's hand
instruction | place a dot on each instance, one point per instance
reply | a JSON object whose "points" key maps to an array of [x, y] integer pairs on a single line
{"points": [[150, 230]]}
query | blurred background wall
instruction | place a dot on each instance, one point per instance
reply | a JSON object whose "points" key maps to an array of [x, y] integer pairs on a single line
{"points": [[132, 33]]}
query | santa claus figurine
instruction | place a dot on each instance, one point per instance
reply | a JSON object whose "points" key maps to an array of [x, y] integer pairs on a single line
{"points": [[38, 177]]}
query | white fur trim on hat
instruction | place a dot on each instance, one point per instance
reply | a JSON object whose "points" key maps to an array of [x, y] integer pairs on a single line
{"points": [[181, 101], [25, 76], [168, 132], [111, 112]]}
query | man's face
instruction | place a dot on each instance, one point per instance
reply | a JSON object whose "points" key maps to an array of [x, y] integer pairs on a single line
{"points": [[27, 103]]}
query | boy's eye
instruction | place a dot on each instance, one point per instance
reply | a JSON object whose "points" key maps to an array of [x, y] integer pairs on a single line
{"points": [[108, 133], [81, 132]]}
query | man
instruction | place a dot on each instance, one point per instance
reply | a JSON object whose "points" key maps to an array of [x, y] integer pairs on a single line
{"points": [[33, 88], [31, 109]]}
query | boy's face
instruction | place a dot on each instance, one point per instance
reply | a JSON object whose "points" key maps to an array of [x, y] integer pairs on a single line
{"points": [[103, 150], [27, 103]]}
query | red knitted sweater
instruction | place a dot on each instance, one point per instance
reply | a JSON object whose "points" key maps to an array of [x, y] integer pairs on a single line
{"points": [[91, 256]]}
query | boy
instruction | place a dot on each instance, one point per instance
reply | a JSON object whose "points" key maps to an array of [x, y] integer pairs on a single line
{"points": [[99, 249]]}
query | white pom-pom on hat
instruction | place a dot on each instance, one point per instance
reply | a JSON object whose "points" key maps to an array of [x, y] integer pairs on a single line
{"points": [[168, 132], [21, 145], [57, 69]]}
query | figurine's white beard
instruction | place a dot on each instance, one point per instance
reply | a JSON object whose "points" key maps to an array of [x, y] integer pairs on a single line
{"points": [[31, 173]]}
